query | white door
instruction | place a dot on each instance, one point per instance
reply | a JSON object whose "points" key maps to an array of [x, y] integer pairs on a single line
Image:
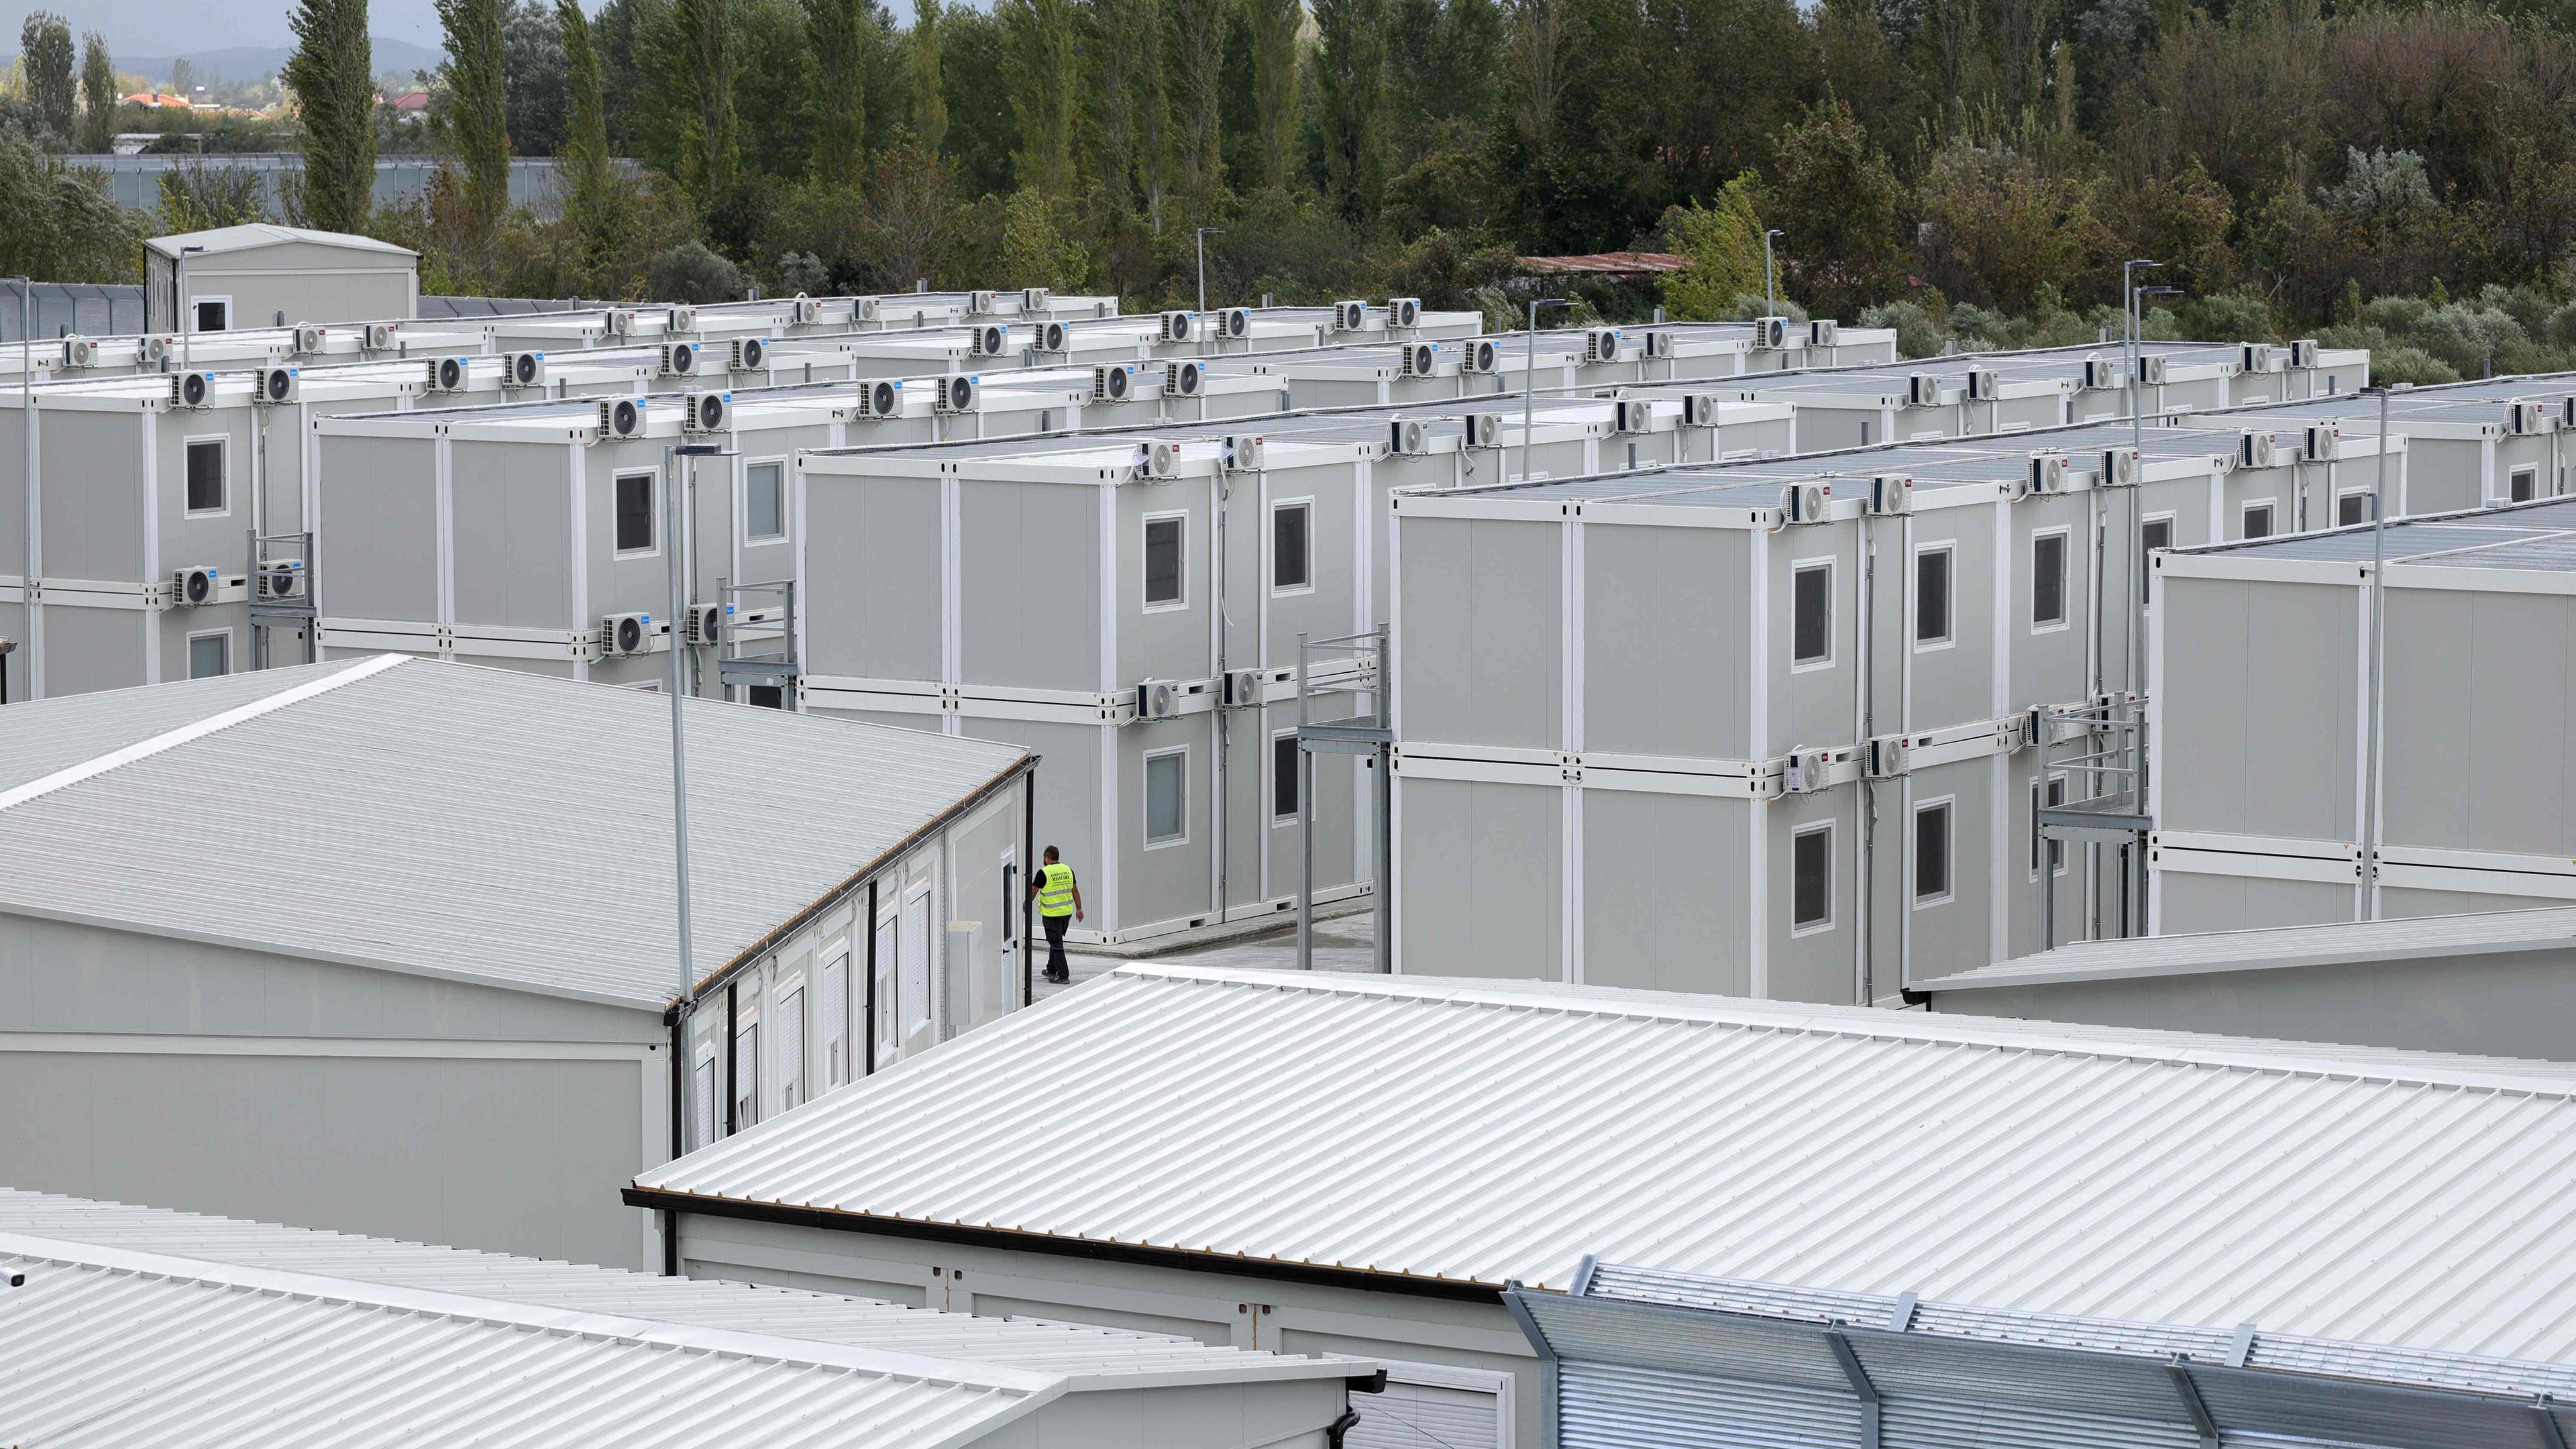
{"points": [[1427, 1406], [881, 992], [1001, 987], [914, 1006]]}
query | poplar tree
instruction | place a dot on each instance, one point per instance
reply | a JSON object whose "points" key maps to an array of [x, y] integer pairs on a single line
{"points": [[585, 148], [46, 58], [1274, 81], [832, 28], [475, 103], [714, 144], [1350, 82], [333, 76], [929, 99], [1198, 89], [1040, 62], [98, 95]]}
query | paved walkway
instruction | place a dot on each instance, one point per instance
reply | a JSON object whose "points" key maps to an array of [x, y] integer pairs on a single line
{"points": [[1344, 943]]}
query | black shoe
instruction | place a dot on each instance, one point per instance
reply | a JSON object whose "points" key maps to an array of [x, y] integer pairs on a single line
{"points": [[1051, 976]]}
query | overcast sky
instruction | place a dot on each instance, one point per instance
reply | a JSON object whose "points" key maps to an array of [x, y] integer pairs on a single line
{"points": [[174, 27]]}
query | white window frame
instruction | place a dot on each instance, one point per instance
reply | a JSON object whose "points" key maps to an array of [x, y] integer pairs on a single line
{"points": [[790, 987], [1949, 806], [225, 634], [706, 1091], [750, 538], [838, 1033], [2065, 580], [885, 981], [747, 1097], [1273, 782], [2245, 516], [2528, 470], [1144, 565], [1950, 580], [1812, 928], [2345, 495], [196, 301], [2173, 526], [653, 499], [223, 473], [1271, 545], [1833, 579], [1145, 811]]}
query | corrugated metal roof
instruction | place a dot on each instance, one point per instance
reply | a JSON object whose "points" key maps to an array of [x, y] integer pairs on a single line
{"points": [[250, 236], [2340, 943], [1091, 1358], [480, 825], [1479, 1132]]}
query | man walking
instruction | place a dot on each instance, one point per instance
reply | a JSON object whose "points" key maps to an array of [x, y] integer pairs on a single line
{"points": [[1059, 906]]}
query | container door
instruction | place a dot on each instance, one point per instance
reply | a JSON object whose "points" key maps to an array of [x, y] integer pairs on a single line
{"points": [[915, 1008]]}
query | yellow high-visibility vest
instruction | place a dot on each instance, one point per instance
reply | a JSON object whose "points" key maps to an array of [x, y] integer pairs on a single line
{"points": [[1055, 890]]}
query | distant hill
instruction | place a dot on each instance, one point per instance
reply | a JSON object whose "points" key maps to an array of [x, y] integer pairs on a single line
{"points": [[253, 62]]}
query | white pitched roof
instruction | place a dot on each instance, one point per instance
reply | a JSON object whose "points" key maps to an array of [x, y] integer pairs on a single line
{"points": [[1477, 1132], [2340, 943], [252, 235], [480, 825]]}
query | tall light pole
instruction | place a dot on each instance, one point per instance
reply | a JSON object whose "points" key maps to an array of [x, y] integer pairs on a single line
{"points": [[1203, 234], [181, 303], [1770, 293], [2378, 647], [1529, 374], [674, 521], [27, 468]]}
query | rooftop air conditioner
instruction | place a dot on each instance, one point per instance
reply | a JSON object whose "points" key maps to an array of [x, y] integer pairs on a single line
{"points": [[1350, 316], [80, 352], [1483, 430], [1601, 344], [706, 412], [2567, 411], [1481, 356], [1036, 299], [2101, 372], [1183, 379], [1415, 359], [381, 335], [279, 579], [804, 311], [679, 359], [2151, 370], [308, 339], [2048, 472], [1921, 390], [1111, 383], [1699, 410], [746, 354], [1891, 495], [956, 394], [616, 322], [1236, 322], [2324, 442], [703, 624], [979, 304], [523, 369], [2303, 352], [277, 386], [2263, 357], [1404, 311], [2255, 450], [1632, 415], [445, 374], [1246, 453], [1159, 459], [2120, 467], [1051, 337], [990, 340], [1805, 502], [1407, 435], [621, 635], [866, 309], [194, 587], [681, 319], [1887, 758], [1824, 332], [1157, 699], [1983, 385], [1659, 344], [2524, 418], [882, 398], [1805, 771], [621, 417], [1179, 326], [1771, 333], [192, 389]]}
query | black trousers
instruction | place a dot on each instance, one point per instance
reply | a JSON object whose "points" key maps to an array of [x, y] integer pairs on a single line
{"points": [[1055, 929]]}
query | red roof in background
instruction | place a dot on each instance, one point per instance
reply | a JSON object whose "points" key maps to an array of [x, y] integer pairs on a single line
{"points": [[410, 101], [1611, 264]]}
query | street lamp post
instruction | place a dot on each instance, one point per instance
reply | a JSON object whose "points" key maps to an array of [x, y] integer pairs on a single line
{"points": [[27, 469], [1770, 293], [181, 303], [1203, 234], [2378, 648], [1529, 373]]}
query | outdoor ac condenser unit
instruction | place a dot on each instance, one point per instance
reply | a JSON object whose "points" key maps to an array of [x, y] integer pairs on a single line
{"points": [[1111, 383], [621, 417], [1350, 316], [1891, 495], [622, 635], [681, 319], [192, 588], [277, 386], [1408, 435], [1246, 453], [1632, 415], [1183, 379], [1036, 299], [1179, 326], [279, 579], [2255, 450], [706, 412], [804, 311], [746, 354], [1484, 430], [80, 351], [2120, 467], [1659, 344], [380, 335], [1601, 344], [956, 394], [1404, 311], [1824, 332], [1699, 410], [882, 398], [2303, 352], [1804, 502], [446, 374], [1481, 357], [1983, 385], [1051, 337], [1415, 359], [308, 339], [703, 624], [1160, 460], [2048, 472], [192, 389], [2324, 442], [1771, 333], [679, 359], [1157, 699], [990, 340], [1237, 322]]}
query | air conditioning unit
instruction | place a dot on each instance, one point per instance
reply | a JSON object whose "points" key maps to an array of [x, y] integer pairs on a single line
{"points": [[308, 339], [746, 354], [703, 624], [1407, 435], [621, 417], [1235, 322], [1179, 326], [804, 311], [1157, 699], [279, 579], [192, 389], [2048, 472], [956, 394], [2303, 352], [2524, 418], [706, 412], [866, 309], [1805, 502], [1036, 299], [277, 386], [1243, 688], [1350, 316], [1183, 379], [1771, 333], [2120, 468], [1824, 332], [1699, 410], [2151, 371], [621, 635], [1983, 385], [2255, 450], [445, 374], [1246, 453], [2263, 357], [381, 335], [1632, 415], [1601, 344], [1806, 772], [2101, 372], [1481, 356], [523, 369], [80, 352], [1112, 383], [979, 304], [1891, 495], [681, 319], [679, 359], [990, 340], [1922, 391], [193, 588], [2567, 411], [616, 322], [1888, 757], [1659, 344], [882, 398], [1404, 311], [2324, 442], [1158, 459], [1415, 358], [1051, 337]]}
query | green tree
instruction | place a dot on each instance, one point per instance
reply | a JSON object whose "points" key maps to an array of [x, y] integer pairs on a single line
{"points": [[98, 95], [929, 100], [532, 78], [832, 29], [46, 58], [1196, 32], [333, 75], [1274, 25], [474, 108], [585, 149], [1722, 244], [1129, 103], [1350, 83], [1040, 68], [711, 150], [57, 222], [1838, 204]]}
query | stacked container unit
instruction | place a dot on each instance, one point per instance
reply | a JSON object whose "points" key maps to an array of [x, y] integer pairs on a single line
{"points": [[1565, 360], [2473, 444], [1766, 728], [2296, 784]]}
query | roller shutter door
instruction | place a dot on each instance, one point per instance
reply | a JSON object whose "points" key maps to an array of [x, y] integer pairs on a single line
{"points": [[1426, 1416], [1613, 1406]]}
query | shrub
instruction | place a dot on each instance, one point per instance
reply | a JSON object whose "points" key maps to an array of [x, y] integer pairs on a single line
{"points": [[690, 272]]}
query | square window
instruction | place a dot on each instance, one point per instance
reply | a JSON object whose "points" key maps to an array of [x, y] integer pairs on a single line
{"points": [[214, 314], [764, 501], [1932, 852], [2047, 580], [1291, 557], [2352, 508], [206, 475], [209, 655], [1932, 596], [2154, 535], [1811, 878], [1811, 614], [2525, 485], [634, 512], [2258, 520], [1167, 797], [766, 696], [1163, 562], [1287, 764]]}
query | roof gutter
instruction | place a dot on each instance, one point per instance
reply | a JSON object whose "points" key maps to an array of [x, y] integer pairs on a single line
{"points": [[1188, 1260]]}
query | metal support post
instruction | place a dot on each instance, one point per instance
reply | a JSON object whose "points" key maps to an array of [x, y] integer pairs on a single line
{"points": [[1383, 937], [679, 736], [1529, 375], [1305, 825], [1861, 1387], [27, 474], [1770, 292], [2378, 663]]}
